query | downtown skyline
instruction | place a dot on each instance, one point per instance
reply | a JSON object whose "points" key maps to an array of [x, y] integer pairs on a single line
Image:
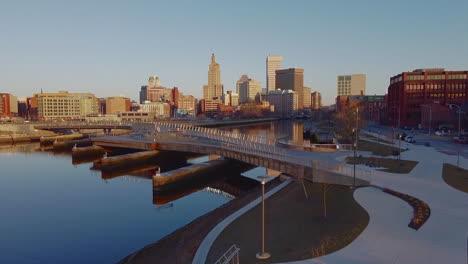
{"points": [[112, 49]]}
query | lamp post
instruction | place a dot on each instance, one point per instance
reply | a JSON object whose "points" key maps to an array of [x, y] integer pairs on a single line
{"points": [[355, 147], [453, 107], [263, 254]]}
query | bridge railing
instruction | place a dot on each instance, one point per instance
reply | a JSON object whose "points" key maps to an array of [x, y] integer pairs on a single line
{"points": [[217, 134], [344, 169], [84, 124], [238, 145]]}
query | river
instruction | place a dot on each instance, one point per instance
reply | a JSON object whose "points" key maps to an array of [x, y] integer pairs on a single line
{"points": [[57, 212]]}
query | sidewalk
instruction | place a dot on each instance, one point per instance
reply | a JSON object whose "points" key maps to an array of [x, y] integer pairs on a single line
{"points": [[442, 239]]}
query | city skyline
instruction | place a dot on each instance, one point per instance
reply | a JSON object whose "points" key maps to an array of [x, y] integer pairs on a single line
{"points": [[55, 48]]}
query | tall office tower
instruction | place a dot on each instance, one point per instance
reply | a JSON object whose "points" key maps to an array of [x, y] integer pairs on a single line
{"points": [[153, 82], [214, 89], [354, 84], [248, 89], [316, 99], [307, 97], [143, 94], [273, 63], [292, 79]]}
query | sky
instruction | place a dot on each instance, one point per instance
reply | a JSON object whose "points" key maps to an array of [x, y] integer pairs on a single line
{"points": [[111, 48]]}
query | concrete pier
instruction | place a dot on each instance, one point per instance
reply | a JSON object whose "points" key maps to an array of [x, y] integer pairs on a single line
{"points": [[13, 139], [68, 145], [84, 152], [51, 140], [187, 173], [144, 171], [124, 161]]}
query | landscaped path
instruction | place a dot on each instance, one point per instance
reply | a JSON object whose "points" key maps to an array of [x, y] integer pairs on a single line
{"points": [[388, 239]]}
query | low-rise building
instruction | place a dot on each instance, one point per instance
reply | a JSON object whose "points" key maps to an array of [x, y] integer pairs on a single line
{"points": [[8, 105], [231, 99], [158, 109], [285, 102], [117, 104], [65, 105]]}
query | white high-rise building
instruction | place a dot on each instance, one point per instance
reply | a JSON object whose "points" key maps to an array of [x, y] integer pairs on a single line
{"points": [[273, 63]]}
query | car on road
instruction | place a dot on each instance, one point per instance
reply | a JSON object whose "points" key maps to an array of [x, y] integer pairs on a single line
{"points": [[410, 139], [401, 136], [440, 133]]}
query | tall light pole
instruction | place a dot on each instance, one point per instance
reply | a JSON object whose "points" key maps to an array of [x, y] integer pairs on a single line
{"points": [[263, 254], [430, 117], [453, 107], [355, 147]]}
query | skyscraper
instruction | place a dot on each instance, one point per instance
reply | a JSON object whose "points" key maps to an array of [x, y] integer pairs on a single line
{"points": [[316, 99], [273, 63], [153, 82], [292, 79], [248, 89], [143, 94], [354, 84], [307, 97], [214, 89]]}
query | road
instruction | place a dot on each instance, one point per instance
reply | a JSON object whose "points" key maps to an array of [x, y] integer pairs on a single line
{"points": [[442, 144]]}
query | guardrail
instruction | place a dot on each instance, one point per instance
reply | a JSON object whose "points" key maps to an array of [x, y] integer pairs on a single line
{"points": [[229, 255]]}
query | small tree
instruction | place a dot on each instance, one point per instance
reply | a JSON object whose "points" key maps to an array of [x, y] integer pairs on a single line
{"points": [[346, 120]]}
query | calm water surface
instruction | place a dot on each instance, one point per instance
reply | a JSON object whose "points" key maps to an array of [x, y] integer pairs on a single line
{"points": [[55, 212]]}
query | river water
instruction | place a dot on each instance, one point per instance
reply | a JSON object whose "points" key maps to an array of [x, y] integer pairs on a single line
{"points": [[55, 212]]}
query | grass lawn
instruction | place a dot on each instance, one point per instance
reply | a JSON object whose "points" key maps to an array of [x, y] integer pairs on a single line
{"points": [[390, 165], [376, 148], [455, 177], [294, 227]]}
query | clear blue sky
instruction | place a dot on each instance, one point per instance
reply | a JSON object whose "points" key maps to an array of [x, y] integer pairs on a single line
{"points": [[112, 47]]}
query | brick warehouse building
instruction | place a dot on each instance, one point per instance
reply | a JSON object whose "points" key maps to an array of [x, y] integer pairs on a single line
{"points": [[409, 90]]}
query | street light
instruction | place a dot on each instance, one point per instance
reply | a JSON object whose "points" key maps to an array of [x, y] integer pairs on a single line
{"points": [[356, 130], [453, 107], [263, 254]]}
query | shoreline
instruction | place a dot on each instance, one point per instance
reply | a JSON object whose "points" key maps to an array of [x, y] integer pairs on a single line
{"points": [[181, 245]]}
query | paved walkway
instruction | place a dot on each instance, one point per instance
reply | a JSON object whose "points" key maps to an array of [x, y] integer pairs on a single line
{"points": [[204, 248], [388, 239]]}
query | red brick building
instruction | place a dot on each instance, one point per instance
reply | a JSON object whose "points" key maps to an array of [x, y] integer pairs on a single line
{"points": [[408, 90], [374, 107]]}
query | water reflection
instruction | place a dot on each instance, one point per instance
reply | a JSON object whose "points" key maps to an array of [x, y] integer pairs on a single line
{"points": [[57, 210], [288, 130]]}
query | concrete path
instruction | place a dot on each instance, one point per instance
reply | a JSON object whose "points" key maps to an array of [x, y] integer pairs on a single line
{"points": [[204, 248], [387, 239]]}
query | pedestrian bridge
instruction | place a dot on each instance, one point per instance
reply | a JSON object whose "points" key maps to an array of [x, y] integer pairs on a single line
{"points": [[259, 151]]}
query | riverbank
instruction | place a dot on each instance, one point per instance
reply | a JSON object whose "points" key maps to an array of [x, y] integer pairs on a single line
{"points": [[181, 245], [297, 228]]}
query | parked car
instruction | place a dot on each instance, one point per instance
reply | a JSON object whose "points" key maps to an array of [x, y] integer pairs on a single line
{"points": [[461, 140], [440, 133], [410, 139]]}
